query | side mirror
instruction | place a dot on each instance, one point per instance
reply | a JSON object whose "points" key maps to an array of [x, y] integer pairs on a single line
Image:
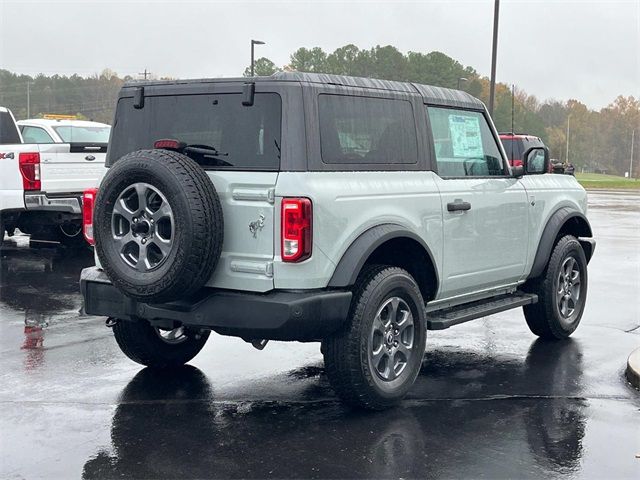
{"points": [[517, 171], [536, 160]]}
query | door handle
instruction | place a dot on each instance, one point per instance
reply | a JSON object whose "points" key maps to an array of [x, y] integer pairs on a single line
{"points": [[458, 205]]}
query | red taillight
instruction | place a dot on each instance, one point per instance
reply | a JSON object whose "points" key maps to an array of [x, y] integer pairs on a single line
{"points": [[168, 144], [29, 163], [88, 201], [516, 163], [296, 229]]}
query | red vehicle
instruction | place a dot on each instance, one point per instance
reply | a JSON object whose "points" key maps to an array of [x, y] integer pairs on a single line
{"points": [[515, 144]]}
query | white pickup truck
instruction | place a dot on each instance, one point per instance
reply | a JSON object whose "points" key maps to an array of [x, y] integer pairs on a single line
{"points": [[41, 181]]}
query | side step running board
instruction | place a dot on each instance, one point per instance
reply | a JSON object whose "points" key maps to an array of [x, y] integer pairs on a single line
{"points": [[441, 319]]}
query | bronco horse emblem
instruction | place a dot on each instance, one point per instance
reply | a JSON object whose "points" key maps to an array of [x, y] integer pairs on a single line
{"points": [[256, 225]]}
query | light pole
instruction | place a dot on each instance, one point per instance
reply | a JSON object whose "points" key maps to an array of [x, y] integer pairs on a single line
{"points": [[633, 134], [566, 160], [462, 79], [494, 54], [253, 44], [28, 99]]}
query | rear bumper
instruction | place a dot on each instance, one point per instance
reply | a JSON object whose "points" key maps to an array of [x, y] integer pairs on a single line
{"points": [[41, 201], [277, 315]]}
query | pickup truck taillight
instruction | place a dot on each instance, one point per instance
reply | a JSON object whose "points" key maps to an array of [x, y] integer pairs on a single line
{"points": [[88, 201], [29, 163], [296, 229]]}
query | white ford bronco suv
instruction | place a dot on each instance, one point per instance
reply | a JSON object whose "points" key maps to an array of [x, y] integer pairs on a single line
{"points": [[355, 212]]}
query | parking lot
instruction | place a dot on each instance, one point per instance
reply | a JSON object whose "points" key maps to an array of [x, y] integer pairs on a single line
{"points": [[491, 400]]}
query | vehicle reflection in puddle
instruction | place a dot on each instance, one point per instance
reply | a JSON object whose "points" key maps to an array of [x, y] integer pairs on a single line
{"points": [[158, 410], [34, 325], [42, 283]]}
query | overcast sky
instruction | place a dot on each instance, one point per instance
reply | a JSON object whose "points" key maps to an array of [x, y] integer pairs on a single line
{"points": [[588, 50]]}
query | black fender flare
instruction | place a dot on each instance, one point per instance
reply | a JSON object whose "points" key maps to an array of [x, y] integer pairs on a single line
{"points": [[354, 258], [554, 225]]}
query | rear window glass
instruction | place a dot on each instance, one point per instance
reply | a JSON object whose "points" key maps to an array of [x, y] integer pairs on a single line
{"points": [[366, 130], [223, 132], [73, 134], [8, 131]]}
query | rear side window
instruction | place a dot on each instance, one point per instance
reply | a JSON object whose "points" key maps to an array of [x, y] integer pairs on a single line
{"points": [[8, 130], [224, 133], [464, 144], [366, 130], [73, 134], [35, 135]]}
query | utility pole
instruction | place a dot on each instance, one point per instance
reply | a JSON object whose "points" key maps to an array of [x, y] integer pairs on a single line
{"points": [[28, 99], [513, 96], [145, 74], [633, 134], [494, 55], [566, 160], [253, 44]]}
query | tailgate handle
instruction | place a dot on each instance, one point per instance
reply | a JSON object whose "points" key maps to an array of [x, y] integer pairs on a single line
{"points": [[458, 205]]}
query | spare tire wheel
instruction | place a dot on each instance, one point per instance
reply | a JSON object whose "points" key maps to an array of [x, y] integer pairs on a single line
{"points": [[158, 225]]}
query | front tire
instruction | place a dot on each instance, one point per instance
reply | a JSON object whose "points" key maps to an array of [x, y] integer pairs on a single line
{"points": [[374, 360], [154, 347], [561, 290]]}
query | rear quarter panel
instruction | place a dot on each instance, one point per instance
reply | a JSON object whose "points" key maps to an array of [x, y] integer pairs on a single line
{"points": [[346, 205]]}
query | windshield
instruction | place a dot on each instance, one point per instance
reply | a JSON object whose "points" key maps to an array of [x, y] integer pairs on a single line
{"points": [[73, 134], [215, 126]]}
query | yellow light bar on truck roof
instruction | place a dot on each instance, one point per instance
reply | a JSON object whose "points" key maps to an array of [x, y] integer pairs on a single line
{"points": [[55, 116]]}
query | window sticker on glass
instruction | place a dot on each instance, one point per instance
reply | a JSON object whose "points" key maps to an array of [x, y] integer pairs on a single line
{"points": [[465, 136]]}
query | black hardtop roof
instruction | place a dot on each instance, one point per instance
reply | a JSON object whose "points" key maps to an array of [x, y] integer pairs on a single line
{"points": [[431, 94]]}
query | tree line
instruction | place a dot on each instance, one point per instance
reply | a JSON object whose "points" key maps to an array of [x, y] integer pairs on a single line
{"points": [[599, 140]]}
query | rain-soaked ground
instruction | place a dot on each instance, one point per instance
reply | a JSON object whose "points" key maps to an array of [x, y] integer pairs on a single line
{"points": [[491, 401]]}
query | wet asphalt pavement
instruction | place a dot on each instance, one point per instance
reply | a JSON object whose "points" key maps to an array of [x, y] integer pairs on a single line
{"points": [[491, 401]]}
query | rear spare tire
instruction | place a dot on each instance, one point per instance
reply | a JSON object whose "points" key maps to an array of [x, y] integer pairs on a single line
{"points": [[158, 225]]}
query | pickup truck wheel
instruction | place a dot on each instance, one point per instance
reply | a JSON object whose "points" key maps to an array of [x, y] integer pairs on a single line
{"points": [[561, 290], [158, 226], [155, 347], [373, 361]]}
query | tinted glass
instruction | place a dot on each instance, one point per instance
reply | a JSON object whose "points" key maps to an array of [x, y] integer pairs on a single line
{"points": [[35, 135], [464, 144], [513, 147], [366, 130], [8, 131], [73, 134], [236, 136]]}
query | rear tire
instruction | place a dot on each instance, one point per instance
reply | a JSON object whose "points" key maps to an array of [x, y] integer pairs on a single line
{"points": [[153, 347], [561, 290], [373, 361]]}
